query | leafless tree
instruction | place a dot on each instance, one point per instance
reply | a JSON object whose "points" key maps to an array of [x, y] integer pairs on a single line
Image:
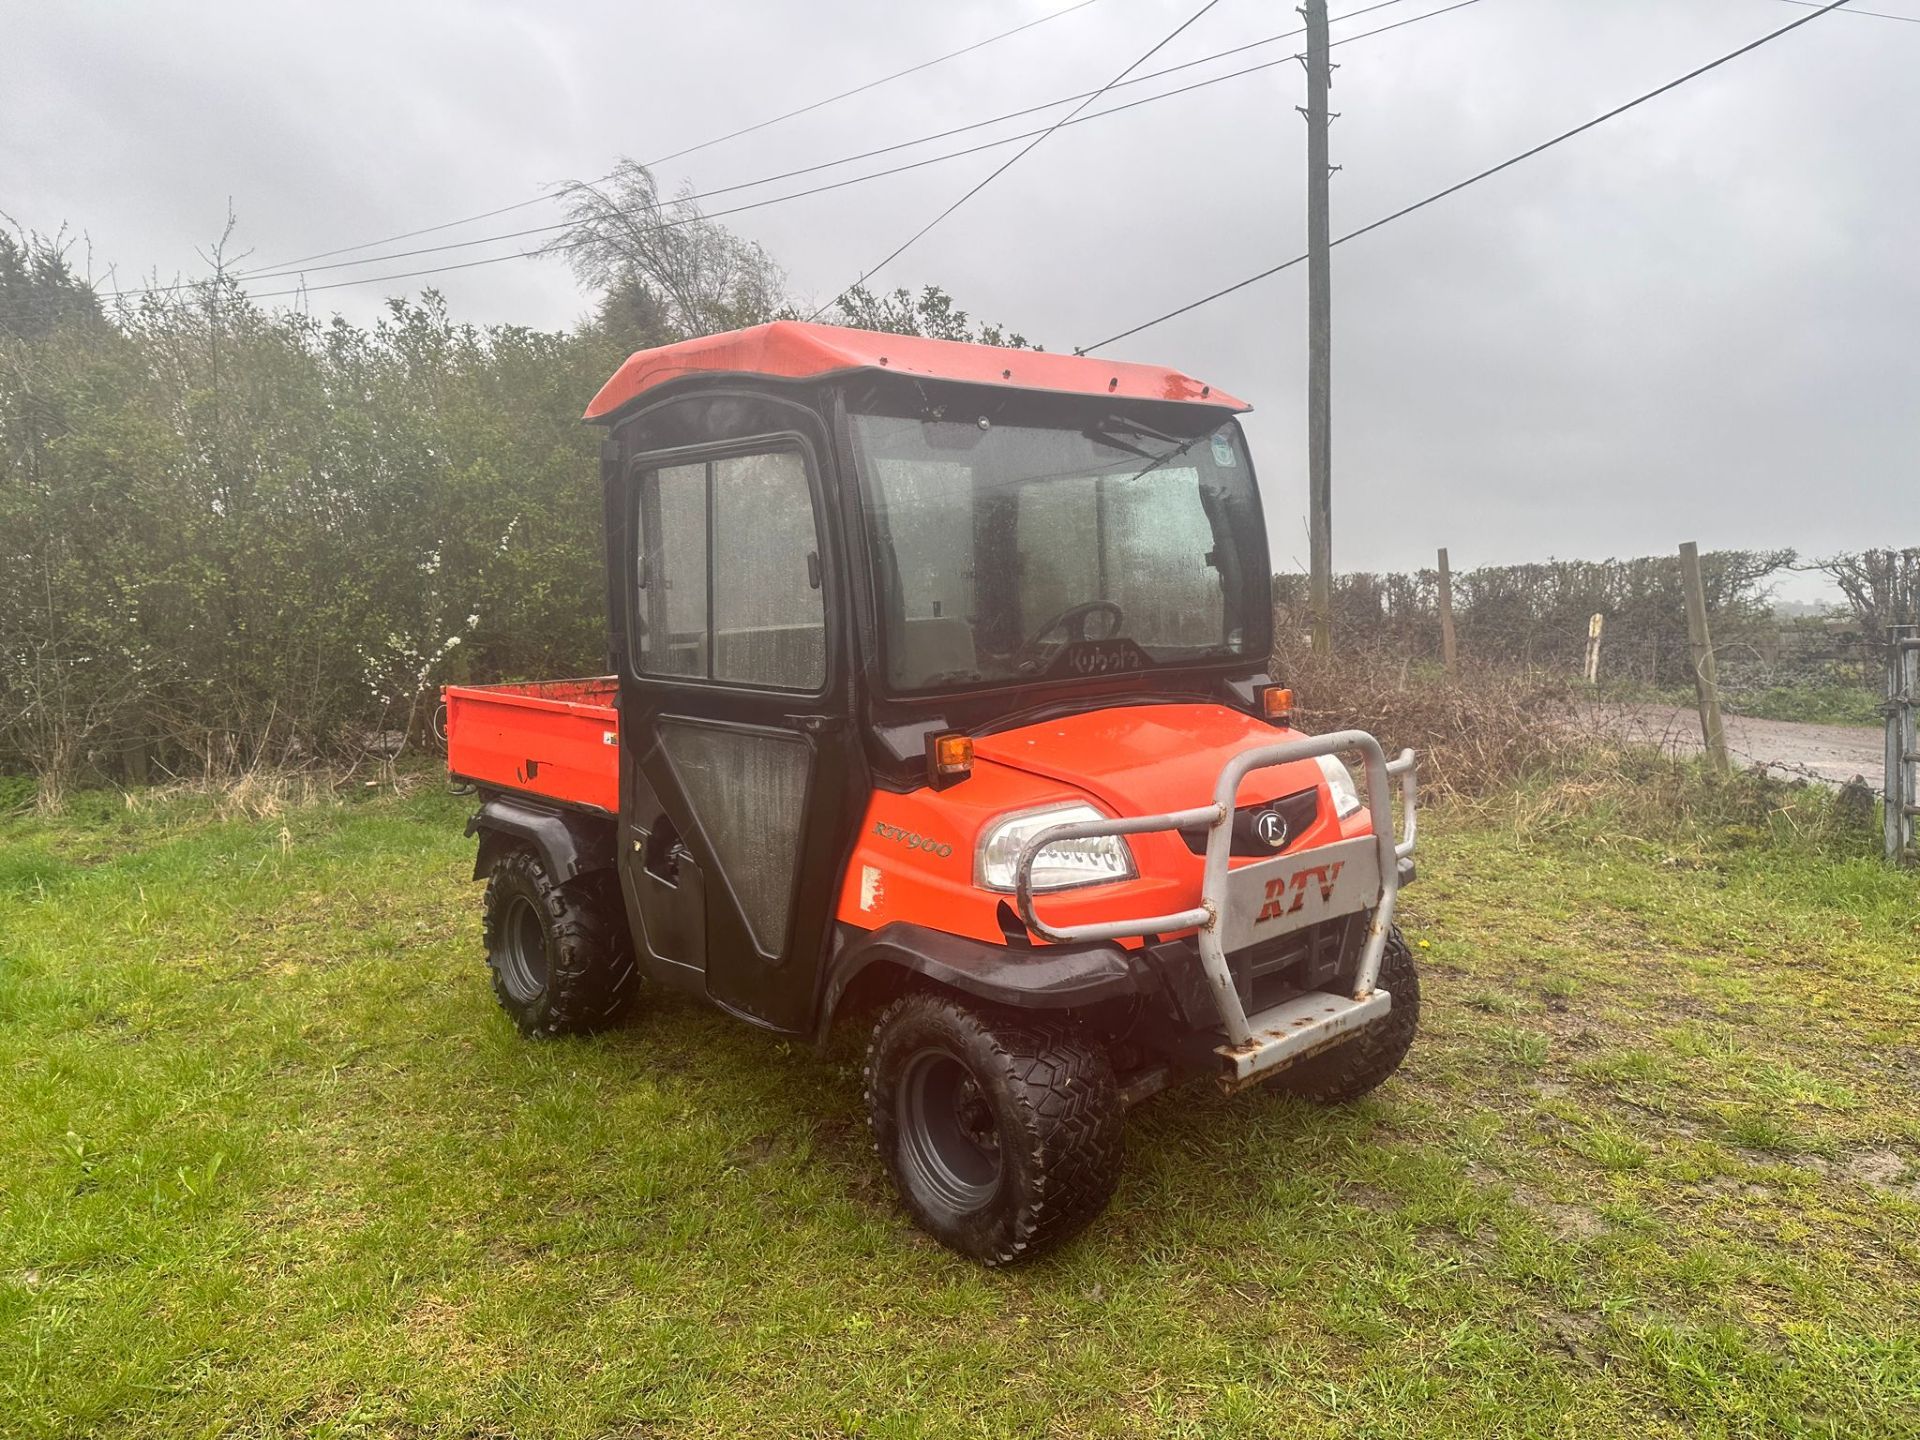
{"points": [[664, 257], [1882, 587]]}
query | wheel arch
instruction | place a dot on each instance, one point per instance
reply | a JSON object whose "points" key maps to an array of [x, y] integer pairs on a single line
{"points": [[569, 842], [873, 966]]}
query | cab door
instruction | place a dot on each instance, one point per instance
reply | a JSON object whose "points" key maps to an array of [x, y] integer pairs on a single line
{"points": [[739, 766]]}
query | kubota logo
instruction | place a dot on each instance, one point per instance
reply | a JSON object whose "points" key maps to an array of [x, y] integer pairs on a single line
{"points": [[1271, 827], [1287, 893]]}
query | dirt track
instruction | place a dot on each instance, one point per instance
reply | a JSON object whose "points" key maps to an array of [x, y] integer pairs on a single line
{"points": [[1833, 754]]}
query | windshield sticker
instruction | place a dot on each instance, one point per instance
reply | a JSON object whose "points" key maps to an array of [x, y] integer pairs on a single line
{"points": [[1099, 657], [1223, 452]]}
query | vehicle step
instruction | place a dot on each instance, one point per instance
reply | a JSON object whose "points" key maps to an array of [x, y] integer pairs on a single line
{"points": [[1295, 1029]]}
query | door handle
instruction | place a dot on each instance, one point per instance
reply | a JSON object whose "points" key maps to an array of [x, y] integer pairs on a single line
{"points": [[815, 724]]}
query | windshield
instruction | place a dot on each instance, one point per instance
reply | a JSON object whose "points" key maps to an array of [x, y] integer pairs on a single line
{"points": [[1008, 548]]}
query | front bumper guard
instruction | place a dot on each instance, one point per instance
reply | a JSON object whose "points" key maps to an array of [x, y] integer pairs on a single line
{"points": [[1248, 903]]}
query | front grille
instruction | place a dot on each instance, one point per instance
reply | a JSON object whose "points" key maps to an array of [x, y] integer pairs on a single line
{"points": [[1318, 957], [1299, 810], [1309, 959]]}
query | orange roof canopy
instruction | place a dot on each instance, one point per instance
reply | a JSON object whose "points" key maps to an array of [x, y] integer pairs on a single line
{"points": [[789, 349]]}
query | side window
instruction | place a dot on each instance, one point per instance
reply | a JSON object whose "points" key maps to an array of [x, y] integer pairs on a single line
{"points": [[730, 573], [769, 626], [672, 635]]}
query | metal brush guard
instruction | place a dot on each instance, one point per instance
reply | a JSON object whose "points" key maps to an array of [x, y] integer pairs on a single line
{"points": [[1243, 904]]}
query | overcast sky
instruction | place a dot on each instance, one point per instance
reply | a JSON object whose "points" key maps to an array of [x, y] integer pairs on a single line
{"points": [[1701, 320]]}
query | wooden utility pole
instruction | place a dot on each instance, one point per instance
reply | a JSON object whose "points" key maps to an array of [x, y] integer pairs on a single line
{"points": [[1449, 653], [1700, 643], [1319, 333]]}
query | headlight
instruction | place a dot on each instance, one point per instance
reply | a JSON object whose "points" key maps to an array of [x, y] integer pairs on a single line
{"points": [[1061, 865], [1346, 794]]}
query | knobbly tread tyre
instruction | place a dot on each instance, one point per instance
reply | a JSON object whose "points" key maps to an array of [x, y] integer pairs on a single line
{"points": [[1062, 1126], [1353, 1067], [591, 975]]}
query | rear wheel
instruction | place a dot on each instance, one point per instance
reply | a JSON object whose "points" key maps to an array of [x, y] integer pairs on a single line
{"points": [[1353, 1067], [561, 960], [1003, 1136]]}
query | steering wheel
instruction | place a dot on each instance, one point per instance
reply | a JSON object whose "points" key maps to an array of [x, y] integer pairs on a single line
{"points": [[1076, 617]]}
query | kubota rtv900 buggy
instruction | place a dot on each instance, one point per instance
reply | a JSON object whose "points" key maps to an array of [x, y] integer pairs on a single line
{"points": [[939, 694]]}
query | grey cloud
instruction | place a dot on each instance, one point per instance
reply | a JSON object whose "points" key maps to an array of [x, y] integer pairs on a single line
{"points": [[1697, 320]]}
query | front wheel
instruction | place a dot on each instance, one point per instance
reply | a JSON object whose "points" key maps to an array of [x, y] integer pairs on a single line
{"points": [[1353, 1067], [1003, 1136]]}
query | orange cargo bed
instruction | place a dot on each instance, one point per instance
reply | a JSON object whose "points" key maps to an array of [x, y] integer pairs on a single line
{"points": [[558, 739]]}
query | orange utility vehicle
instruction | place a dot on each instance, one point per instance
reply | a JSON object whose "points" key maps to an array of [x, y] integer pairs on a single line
{"points": [[939, 694]]}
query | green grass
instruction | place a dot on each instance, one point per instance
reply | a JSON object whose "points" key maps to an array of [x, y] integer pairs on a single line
{"points": [[1827, 704], [271, 1163]]}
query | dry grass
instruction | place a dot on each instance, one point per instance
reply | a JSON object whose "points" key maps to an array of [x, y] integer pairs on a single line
{"points": [[1518, 747], [1615, 793], [269, 793], [1477, 731]]}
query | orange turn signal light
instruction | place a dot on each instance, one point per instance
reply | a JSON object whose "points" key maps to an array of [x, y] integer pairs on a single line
{"points": [[949, 758], [1276, 704]]}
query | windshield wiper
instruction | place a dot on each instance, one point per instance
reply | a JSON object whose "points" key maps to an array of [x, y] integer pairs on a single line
{"points": [[1114, 443], [1154, 462], [1180, 447], [1125, 422], [1100, 433]]}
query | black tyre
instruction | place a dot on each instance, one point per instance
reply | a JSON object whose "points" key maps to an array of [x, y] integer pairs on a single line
{"points": [[1353, 1067], [561, 960], [1004, 1136]]}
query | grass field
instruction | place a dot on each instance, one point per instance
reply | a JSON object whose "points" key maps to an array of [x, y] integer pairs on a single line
{"points": [[271, 1163], [1815, 704]]}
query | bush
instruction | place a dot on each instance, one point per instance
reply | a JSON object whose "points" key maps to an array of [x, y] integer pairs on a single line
{"points": [[1506, 741], [1477, 732]]}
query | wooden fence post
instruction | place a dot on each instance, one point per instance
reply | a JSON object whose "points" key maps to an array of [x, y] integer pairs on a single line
{"points": [[1903, 743], [1700, 643], [1594, 627], [1449, 652]]}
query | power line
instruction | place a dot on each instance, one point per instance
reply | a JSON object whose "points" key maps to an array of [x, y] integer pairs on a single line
{"points": [[1471, 179], [289, 267], [256, 275], [871, 84], [704, 144], [265, 274], [1876, 14], [298, 267], [1007, 165], [886, 150]]}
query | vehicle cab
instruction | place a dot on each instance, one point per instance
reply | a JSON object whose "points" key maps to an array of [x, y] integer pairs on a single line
{"points": [[940, 670]]}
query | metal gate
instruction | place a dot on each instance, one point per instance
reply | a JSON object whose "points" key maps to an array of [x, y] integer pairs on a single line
{"points": [[1903, 743]]}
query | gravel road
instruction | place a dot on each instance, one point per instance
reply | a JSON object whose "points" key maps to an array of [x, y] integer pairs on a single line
{"points": [[1832, 754]]}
